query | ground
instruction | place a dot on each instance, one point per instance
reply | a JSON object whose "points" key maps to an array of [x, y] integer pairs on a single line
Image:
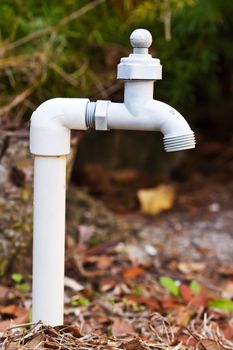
{"points": [[165, 280]]}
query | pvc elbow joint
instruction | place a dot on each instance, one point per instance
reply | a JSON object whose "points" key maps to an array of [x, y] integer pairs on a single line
{"points": [[51, 124]]}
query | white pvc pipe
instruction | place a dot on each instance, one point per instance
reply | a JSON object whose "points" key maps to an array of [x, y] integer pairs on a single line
{"points": [[50, 143], [49, 239]]}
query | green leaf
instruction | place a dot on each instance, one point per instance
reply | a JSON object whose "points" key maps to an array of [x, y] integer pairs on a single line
{"points": [[74, 302], [170, 285], [222, 304], [137, 291], [195, 286], [17, 277], [84, 301], [80, 302], [23, 287]]}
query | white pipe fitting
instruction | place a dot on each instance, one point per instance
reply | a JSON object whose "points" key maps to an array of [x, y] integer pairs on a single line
{"points": [[51, 124], [50, 143]]}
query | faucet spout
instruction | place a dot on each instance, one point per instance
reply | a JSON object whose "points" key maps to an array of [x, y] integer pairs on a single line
{"points": [[177, 133], [152, 115]]}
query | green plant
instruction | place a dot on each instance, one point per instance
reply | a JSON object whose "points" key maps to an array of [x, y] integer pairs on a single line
{"points": [[169, 284], [53, 49]]}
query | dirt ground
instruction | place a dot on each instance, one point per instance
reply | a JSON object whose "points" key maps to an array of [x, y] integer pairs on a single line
{"points": [[137, 281]]}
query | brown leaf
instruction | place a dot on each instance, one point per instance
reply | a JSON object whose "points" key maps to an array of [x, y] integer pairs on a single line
{"points": [[181, 315], [107, 283], [121, 327], [199, 301], [134, 344], [169, 302], [132, 272], [209, 344], [34, 342], [104, 262], [4, 325], [225, 270], [22, 316], [4, 291], [228, 331], [8, 310], [75, 331], [186, 293], [150, 302], [125, 176], [19, 315], [185, 339]]}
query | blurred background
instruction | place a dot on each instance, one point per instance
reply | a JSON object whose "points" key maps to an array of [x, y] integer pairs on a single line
{"points": [[71, 49]]}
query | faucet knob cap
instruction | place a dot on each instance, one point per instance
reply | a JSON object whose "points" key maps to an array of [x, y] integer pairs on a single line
{"points": [[141, 38], [140, 65]]}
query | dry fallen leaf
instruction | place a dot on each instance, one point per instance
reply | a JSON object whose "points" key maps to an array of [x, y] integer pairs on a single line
{"points": [[121, 327], [132, 272], [106, 284], [225, 270], [134, 344], [4, 291], [19, 315], [9, 309], [150, 302], [191, 266], [72, 284], [155, 200], [104, 262], [227, 330], [227, 290], [209, 344], [181, 315], [137, 254], [125, 176], [35, 342], [186, 293]]}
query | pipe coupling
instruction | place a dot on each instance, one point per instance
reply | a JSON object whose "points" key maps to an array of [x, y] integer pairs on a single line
{"points": [[101, 122]]}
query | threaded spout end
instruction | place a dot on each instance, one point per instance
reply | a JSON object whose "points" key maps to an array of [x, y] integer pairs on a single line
{"points": [[90, 115], [179, 142]]}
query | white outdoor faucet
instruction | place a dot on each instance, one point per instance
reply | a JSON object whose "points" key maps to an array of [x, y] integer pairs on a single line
{"points": [[50, 143]]}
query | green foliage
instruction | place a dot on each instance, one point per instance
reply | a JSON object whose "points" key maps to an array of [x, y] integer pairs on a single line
{"points": [[23, 287], [195, 286], [222, 304], [169, 284], [17, 277], [80, 301], [78, 58]]}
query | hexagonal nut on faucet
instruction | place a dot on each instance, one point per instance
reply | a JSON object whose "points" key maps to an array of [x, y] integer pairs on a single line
{"points": [[101, 122]]}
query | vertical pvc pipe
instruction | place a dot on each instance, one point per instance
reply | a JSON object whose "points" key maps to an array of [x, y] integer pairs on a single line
{"points": [[49, 239]]}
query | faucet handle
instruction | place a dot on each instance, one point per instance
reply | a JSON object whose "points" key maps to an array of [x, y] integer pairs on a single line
{"points": [[141, 40], [140, 65]]}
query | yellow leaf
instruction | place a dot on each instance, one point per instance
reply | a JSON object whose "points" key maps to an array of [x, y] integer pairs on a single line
{"points": [[155, 200]]}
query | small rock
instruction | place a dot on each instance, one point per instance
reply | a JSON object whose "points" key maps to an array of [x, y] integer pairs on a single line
{"points": [[214, 207]]}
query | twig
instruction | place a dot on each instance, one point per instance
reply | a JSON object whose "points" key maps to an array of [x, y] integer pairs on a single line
{"points": [[35, 35], [18, 99], [67, 77]]}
